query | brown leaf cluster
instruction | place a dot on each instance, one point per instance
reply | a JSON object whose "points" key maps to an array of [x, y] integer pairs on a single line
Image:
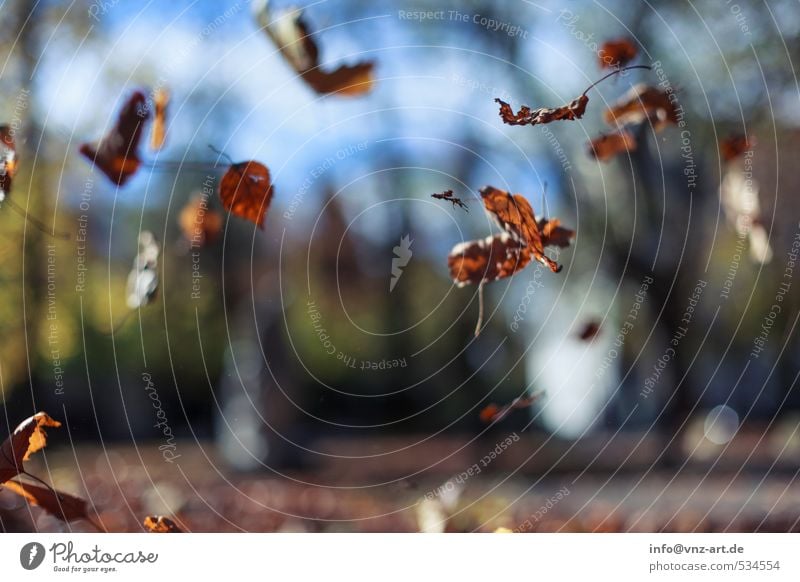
{"points": [[502, 255]]}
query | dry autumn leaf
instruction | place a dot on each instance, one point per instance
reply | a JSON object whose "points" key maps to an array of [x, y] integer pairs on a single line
{"points": [[159, 130], [246, 191], [62, 505], [27, 438], [616, 53], [117, 153], [289, 32], [160, 524], [486, 260], [524, 237], [493, 412], [642, 103], [573, 110], [608, 145], [198, 223], [514, 214]]}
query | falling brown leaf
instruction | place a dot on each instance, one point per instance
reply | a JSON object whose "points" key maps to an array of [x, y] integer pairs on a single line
{"points": [[199, 224], [616, 53], [499, 256], [608, 145], [8, 160], [489, 412], [589, 331], [26, 439], [642, 103], [525, 116], [514, 214], [291, 35], [494, 413], [486, 260], [159, 130], [246, 191], [160, 524], [447, 195], [62, 505], [117, 153], [573, 110], [734, 146]]}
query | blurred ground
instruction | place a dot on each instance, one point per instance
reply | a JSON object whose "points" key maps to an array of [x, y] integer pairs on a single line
{"points": [[125, 484]]}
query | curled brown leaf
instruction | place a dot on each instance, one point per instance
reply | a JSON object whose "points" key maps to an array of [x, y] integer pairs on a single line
{"points": [[644, 103], [117, 155], [290, 33], [609, 145], [616, 53], [27, 438], [246, 191]]}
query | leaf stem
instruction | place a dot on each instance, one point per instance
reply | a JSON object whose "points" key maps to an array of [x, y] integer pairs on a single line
{"points": [[612, 73]]}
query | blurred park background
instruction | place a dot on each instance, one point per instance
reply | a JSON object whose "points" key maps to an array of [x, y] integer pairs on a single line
{"points": [[358, 434]]}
